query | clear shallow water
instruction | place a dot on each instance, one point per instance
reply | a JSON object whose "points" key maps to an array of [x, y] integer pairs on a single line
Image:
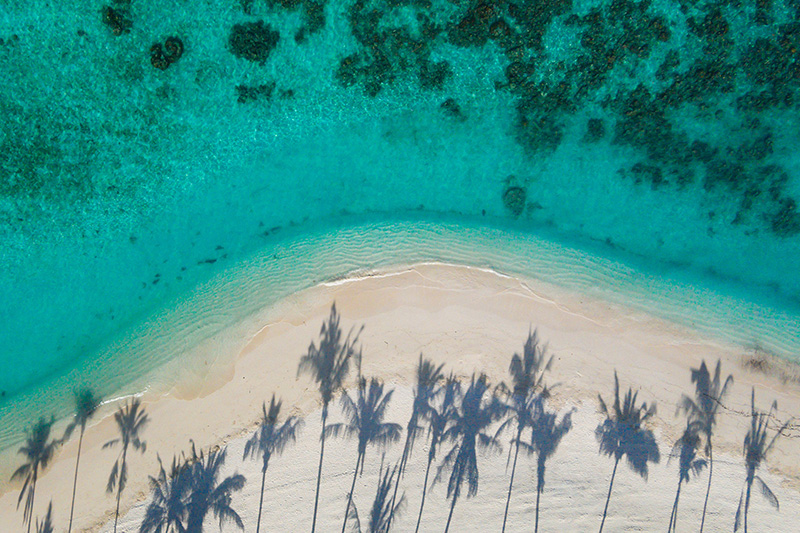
{"points": [[123, 186]]}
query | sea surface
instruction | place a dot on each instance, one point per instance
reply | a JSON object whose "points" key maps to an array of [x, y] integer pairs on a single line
{"points": [[169, 168]]}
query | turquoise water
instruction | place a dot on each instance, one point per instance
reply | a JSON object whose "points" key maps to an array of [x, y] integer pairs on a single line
{"points": [[657, 138]]}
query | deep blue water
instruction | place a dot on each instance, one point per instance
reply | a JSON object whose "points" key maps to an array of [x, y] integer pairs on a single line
{"points": [[660, 136]]}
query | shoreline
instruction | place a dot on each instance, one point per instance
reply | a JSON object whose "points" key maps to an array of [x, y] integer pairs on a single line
{"points": [[441, 310], [219, 312], [135, 358]]}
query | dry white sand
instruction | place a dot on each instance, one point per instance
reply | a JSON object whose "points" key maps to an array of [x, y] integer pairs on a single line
{"points": [[471, 320]]}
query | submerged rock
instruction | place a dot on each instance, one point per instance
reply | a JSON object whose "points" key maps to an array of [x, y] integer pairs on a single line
{"points": [[514, 199]]}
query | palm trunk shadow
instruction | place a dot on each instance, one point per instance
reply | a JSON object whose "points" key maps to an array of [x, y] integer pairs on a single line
{"points": [[608, 497]]}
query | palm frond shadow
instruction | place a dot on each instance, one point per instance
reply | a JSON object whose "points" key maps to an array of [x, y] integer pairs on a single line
{"points": [[623, 435], [47, 525]]}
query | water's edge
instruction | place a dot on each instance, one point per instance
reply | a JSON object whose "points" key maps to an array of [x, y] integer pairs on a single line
{"points": [[219, 316]]}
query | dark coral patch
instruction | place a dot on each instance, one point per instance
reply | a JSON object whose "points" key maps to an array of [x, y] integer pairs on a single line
{"points": [[595, 130], [433, 75], [247, 93], [157, 58], [253, 41], [174, 48], [786, 222], [644, 173], [314, 15], [162, 57], [452, 109], [116, 19], [471, 30], [388, 50]]}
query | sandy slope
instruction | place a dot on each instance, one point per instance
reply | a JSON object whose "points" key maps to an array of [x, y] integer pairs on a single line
{"points": [[471, 320]]}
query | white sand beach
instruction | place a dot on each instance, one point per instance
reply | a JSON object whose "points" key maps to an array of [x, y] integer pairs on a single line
{"points": [[472, 320]]}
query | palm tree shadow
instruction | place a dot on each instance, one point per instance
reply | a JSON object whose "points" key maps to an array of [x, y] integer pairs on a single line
{"points": [[527, 377], [685, 449], [546, 434], [365, 414], [270, 438], [702, 410], [438, 415], [468, 425], [384, 508], [184, 496], [131, 420], [623, 434], [328, 363], [38, 449], [208, 494], [167, 508], [86, 403], [757, 446], [428, 375]]}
